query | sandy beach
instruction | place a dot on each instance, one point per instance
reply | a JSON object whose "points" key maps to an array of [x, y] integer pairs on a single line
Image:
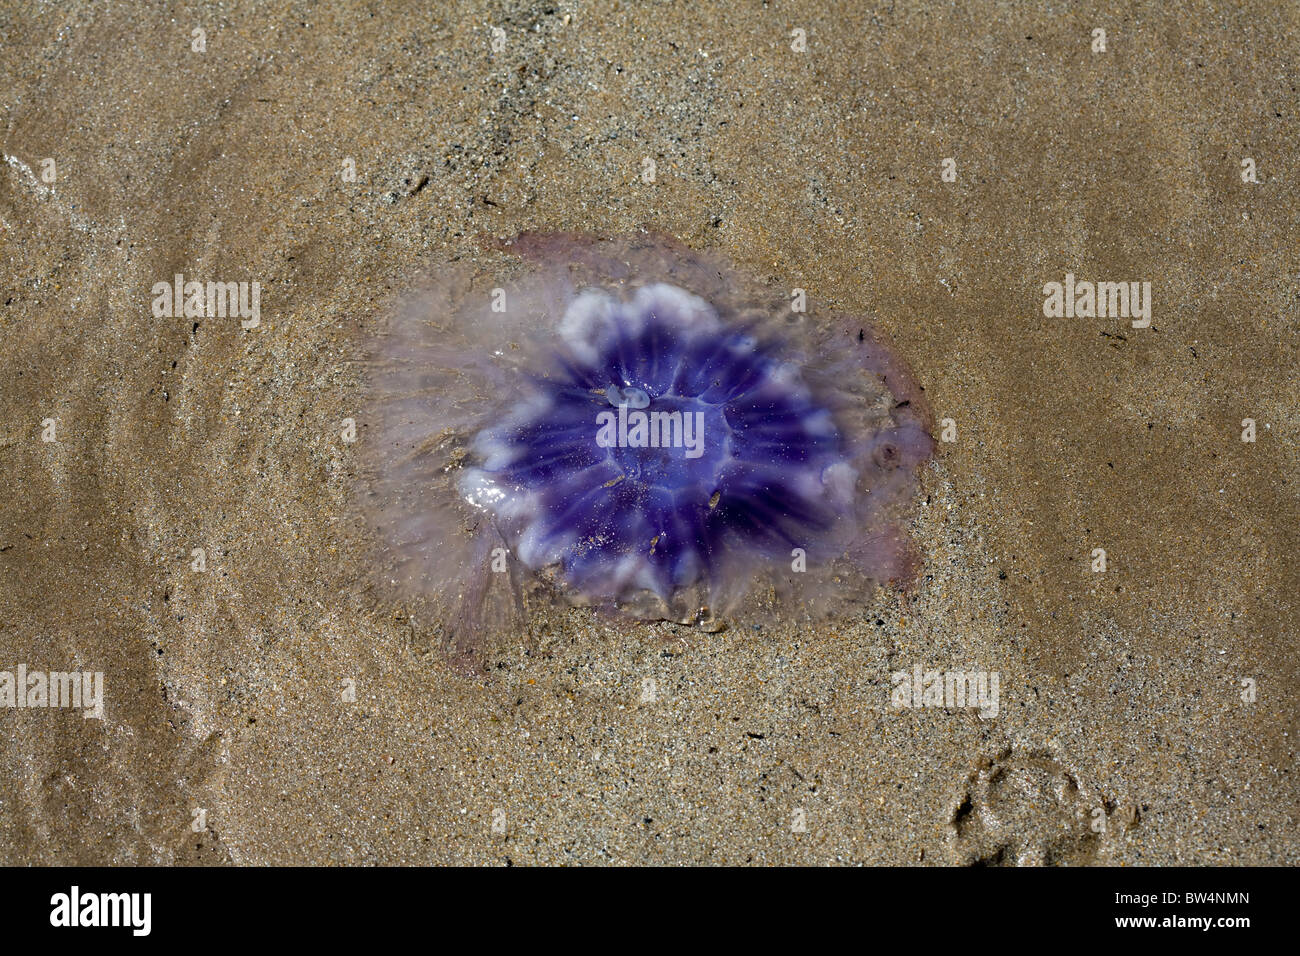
{"points": [[182, 510]]}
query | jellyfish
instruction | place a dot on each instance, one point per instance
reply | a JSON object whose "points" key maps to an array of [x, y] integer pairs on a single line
{"points": [[635, 427]]}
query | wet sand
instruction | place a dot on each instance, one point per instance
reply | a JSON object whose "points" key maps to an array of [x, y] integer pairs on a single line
{"points": [[1124, 733]]}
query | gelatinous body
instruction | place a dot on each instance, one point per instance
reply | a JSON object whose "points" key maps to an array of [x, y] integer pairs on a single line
{"points": [[635, 426]]}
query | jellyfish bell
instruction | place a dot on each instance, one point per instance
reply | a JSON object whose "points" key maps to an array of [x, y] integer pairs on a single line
{"points": [[637, 427]]}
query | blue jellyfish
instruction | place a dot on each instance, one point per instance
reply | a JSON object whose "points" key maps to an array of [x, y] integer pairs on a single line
{"points": [[633, 426]]}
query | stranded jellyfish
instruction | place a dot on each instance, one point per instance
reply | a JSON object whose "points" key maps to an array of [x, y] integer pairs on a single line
{"points": [[637, 427]]}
